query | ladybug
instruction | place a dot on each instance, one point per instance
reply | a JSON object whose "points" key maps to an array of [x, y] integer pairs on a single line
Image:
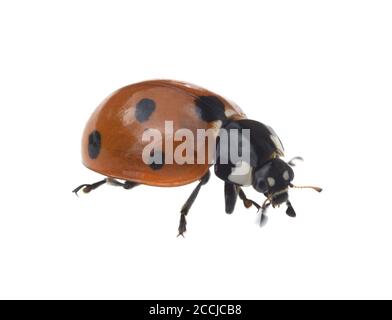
{"points": [[113, 145]]}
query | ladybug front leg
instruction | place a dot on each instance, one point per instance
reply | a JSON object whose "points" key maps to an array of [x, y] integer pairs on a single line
{"points": [[189, 202], [247, 202], [262, 209]]}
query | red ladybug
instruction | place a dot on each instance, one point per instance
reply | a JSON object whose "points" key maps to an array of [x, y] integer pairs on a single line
{"points": [[112, 144]]}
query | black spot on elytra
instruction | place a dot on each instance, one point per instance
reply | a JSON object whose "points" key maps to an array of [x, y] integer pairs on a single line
{"points": [[210, 108], [158, 160], [144, 109], [94, 144]]}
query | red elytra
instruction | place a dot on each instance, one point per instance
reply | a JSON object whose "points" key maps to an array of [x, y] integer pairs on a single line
{"points": [[112, 140]]}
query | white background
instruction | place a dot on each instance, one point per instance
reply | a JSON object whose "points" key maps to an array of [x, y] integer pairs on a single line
{"points": [[318, 72]]}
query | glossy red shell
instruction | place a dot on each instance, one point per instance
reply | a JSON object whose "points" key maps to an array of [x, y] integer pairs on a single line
{"points": [[118, 152]]}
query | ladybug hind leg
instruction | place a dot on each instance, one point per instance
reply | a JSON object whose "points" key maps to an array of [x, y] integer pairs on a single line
{"points": [[188, 204], [126, 185], [86, 188]]}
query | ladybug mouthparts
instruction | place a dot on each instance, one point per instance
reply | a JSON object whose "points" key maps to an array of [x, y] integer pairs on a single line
{"points": [[279, 197]]}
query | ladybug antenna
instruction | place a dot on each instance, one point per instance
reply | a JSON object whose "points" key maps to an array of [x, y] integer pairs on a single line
{"points": [[293, 161], [306, 187]]}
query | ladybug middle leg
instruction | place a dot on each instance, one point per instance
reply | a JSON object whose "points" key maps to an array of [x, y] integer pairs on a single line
{"points": [[188, 204], [232, 191], [231, 194]]}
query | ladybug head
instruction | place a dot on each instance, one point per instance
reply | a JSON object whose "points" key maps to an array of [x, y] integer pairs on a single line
{"points": [[273, 180]]}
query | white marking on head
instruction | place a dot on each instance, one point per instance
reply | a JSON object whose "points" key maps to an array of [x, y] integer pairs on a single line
{"points": [[271, 181], [286, 175], [241, 174]]}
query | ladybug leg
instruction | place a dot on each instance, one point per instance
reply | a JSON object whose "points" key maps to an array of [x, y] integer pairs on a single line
{"points": [[88, 187], [231, 194], [247, 202], [126, 185], [129, 184], [290, 210], [262, 209], [188, 204]]}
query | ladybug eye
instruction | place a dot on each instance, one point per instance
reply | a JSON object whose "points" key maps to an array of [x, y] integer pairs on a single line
{"points": [[286, 175], [261, 186]]}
